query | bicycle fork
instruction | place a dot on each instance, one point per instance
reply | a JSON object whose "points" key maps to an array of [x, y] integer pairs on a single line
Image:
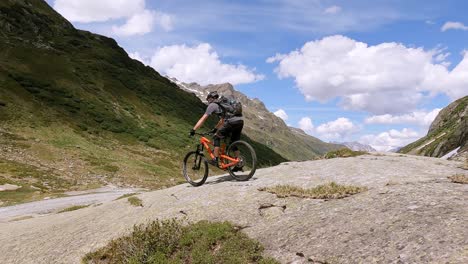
{"points": [[198, 157]]}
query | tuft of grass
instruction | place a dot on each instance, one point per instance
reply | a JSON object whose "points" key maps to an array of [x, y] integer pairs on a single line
{"points": [[73, 208], [125, 196], [459, 178], [343, 153], [465, 166], [330, 190], [21, 218], [170, 241], [135, 201]]}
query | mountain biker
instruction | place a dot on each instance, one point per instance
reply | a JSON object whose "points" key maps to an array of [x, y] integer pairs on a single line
{"points": [[226, 125]]}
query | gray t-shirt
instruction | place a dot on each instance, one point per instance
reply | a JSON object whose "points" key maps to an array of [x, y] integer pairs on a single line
{"points": [[214, 108]]}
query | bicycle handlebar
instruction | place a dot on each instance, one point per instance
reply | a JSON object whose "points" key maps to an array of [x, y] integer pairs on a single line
{"points": [[204, 134]]}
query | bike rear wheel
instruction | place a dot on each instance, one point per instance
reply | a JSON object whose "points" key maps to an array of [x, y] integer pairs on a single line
{"points": [[245, 169], [195, 168]]}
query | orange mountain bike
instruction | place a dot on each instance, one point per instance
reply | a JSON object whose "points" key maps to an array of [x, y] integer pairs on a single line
{"points": [[239, 160]]}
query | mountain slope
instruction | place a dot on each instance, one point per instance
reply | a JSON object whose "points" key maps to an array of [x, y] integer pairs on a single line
{"points": [[265, 127], [76, 111], [448, 131]]}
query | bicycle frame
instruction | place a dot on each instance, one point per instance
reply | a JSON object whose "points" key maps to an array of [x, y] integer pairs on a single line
{"points": [[206, 143]]}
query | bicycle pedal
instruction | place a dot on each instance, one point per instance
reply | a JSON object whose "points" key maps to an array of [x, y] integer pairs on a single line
{"points": [[213, 162]]}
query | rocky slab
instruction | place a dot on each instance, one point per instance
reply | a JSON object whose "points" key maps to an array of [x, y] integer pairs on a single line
{"points": [[411, 214]]}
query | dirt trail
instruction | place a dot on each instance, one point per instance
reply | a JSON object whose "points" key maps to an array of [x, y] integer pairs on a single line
{"points": [[411, 214], [41, 208]]}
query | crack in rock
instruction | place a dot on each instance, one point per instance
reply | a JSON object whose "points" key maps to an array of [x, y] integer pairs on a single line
{"points": [[269, 209], [240, 228], [315, 261], [183, 212]]}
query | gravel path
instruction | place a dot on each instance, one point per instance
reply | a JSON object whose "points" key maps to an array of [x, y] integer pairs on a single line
{"points": [[411, 214], [41, 208]]}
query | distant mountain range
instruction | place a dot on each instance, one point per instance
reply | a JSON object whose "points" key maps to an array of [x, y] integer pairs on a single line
{"points": [[265, 127], [448, 132], [356, 146], [395, 149]]}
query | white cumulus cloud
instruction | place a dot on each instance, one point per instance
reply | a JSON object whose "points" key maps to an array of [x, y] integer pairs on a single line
{"points": [[142, 23], [86, 11], [453, 25], [421, 118], [200, 64], [281, 114], [392, 139], [385, 78], [306, 124], [139, 20], [333, 10], [339, 129]]}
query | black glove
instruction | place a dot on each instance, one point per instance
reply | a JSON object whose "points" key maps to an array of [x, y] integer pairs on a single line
{"points": [[192, 132], [214, 130]]}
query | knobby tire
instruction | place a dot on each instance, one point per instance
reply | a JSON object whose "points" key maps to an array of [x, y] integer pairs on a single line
{"points": [[193, 162], [252, 160]]}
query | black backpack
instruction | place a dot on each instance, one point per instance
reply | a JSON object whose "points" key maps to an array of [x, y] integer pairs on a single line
{"points": [[230, 106]]}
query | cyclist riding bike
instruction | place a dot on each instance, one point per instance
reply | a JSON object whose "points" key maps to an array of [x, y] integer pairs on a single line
{"points": [[227, 125]]}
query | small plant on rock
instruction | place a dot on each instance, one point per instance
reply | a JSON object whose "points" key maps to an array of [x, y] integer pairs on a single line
{"points": [[135, 201], [330, 190], [126, 196], [459, 178], [73, 208]]}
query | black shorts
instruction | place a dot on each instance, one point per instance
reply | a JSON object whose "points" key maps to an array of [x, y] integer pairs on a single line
{"points": [[232, 129]]}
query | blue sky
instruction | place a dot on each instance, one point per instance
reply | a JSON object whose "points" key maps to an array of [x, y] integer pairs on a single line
{"points": [[376, 72]]}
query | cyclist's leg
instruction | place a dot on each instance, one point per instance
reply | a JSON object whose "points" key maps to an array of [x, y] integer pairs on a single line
{"points": [[236, 130], [217, 137], [221, 134]]}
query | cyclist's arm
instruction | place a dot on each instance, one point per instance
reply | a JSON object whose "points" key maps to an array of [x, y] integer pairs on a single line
{"points": [[200, 122], [220, 123]]}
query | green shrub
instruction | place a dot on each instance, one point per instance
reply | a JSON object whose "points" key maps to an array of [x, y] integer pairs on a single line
{"points": [[170, 241]]}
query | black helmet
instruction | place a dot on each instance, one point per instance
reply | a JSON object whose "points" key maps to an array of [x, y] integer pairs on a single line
{"points": [[213, 95]]}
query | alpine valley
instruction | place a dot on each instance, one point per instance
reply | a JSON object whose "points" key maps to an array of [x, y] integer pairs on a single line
{"points": [[77, 113]]}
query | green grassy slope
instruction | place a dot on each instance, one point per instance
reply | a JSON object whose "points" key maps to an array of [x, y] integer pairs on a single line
{"points": [[75, 107], [448, 131]]}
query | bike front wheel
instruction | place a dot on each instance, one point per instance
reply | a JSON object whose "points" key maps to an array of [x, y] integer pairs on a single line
{"points": [[247, 165], [195, 168]]}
